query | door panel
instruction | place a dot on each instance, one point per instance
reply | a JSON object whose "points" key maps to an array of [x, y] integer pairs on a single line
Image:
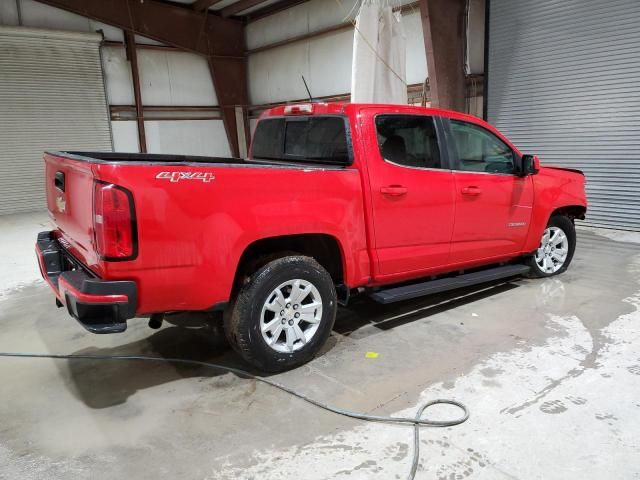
{"points": [[493, 205], [412, 195], [413, 230], [493, 220]]}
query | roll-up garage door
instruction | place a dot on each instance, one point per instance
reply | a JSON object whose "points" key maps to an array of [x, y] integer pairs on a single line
{"points": [[51, 98], [564, 82]]}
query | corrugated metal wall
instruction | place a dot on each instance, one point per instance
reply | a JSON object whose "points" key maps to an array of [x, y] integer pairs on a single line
{"points": [[563, 82], [51, 97]]}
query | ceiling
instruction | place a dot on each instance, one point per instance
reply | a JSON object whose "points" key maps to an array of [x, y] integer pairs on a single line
{"points": [[244, 9]]}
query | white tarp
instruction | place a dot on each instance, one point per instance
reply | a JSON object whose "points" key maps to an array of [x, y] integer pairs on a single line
{"points": [[378, 72]]}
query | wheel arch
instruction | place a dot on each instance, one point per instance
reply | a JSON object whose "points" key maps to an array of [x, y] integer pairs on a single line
{"points": [[571, 211], [324, 248], [540, 220]]}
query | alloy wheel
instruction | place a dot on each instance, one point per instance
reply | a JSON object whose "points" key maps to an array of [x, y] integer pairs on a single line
{"points": [[553, 250], [291, 315]]}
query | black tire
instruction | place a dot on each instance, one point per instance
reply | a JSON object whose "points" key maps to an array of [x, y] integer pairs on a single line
{"points": [[243, 318], [566, 225]]}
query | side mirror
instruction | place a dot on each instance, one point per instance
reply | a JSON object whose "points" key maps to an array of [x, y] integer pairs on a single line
{"points": [[529, 165]]}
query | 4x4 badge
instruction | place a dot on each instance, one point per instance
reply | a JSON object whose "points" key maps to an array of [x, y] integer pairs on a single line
{"points": [[205, 177]]}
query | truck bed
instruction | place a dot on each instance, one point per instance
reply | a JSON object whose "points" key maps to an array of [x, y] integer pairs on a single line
{"points": [[195, 216], [153, 158], [185, 160]]}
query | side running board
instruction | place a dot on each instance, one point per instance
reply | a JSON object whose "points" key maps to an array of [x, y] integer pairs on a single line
{"points": [[397, 294]]}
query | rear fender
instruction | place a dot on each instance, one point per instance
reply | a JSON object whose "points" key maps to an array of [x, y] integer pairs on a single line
{"points": [[328, 249]]}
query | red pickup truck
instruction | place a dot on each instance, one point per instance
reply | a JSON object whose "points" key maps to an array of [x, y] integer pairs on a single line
{"points": [[387, 200]]}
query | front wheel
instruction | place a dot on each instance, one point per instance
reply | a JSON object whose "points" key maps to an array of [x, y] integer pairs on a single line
{"points": [[557, 246], [283, 315]]}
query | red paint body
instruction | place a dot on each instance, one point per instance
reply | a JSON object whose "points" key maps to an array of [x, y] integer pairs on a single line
{"points": [[391, 223]]}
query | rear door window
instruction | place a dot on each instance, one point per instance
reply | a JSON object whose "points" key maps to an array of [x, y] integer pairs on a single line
{"points": [[314, 139], [408, 140]]}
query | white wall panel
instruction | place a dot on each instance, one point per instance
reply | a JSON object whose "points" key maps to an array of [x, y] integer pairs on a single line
{"points": [[301, 19], [187, 137], [288, 23], [39, 15], [325, 61], [125, 136], [146, 41], [175, 78], [274, 75], [110, 33], [322, 15], [117, 72], [330, 58]]}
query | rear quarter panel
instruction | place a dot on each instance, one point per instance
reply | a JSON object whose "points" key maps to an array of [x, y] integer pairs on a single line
{"points": [[192, 233]]}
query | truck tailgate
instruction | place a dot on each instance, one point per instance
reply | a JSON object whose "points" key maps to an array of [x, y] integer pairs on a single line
{"points": [[69, 189]]}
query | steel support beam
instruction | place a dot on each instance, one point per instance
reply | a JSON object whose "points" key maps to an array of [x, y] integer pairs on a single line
{"points": [[132, 56], [444, 41], [220, 40], [230, 82]]}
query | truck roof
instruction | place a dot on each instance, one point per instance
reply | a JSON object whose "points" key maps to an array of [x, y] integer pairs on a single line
{"points": [[342, 108], [346, 108]]}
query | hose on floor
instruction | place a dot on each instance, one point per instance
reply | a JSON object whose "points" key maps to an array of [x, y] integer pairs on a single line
{"points": [[416, 421]]}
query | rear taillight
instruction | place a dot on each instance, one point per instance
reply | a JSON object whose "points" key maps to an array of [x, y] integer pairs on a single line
{"points": [[114, 222]]}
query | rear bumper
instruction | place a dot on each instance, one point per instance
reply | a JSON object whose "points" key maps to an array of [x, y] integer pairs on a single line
{"points": [[100, 306]]}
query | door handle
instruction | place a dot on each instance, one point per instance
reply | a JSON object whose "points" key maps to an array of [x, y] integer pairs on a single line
{"points": [[394, 190], [471, 190]]}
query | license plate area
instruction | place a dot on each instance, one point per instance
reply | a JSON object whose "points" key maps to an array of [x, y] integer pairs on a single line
{"points": [[55, 259]]}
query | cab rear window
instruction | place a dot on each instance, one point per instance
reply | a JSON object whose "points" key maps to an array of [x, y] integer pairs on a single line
{"points": [[315, 139]]}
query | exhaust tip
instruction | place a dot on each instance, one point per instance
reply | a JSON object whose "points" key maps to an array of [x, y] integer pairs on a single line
{"points": [[155, 321]]}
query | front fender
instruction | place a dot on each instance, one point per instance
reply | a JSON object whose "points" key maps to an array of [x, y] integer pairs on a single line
{"points": [[554, 189]]}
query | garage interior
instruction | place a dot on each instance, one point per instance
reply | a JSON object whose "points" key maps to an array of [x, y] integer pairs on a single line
{"points": [[549, 368]]}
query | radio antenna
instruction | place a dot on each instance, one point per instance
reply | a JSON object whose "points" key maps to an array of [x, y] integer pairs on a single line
{"points": [[307, 87]]}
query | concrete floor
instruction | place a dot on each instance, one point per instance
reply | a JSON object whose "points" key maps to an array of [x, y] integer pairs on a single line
{"points": [[550, 370]]}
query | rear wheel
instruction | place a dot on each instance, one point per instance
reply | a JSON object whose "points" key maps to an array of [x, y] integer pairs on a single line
{"points": [[283, 315], [557, 246]]}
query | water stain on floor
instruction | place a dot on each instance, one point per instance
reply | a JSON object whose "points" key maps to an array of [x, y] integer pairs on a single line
{"points": [[553, 407]]}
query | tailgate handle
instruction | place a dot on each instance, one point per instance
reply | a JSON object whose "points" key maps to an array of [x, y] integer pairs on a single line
{"points": [[59, 181]]}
